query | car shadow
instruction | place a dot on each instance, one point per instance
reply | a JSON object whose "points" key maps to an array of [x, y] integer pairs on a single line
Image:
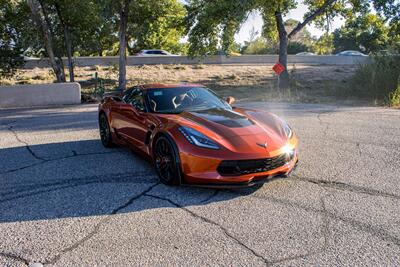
{"points": [[82, 179], [46, 119]]}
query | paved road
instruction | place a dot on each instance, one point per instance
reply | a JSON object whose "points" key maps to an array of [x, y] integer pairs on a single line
{"points": [[67, 201]]}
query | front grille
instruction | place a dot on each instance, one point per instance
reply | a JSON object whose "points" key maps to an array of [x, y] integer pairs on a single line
{"points": [[240, 167]]}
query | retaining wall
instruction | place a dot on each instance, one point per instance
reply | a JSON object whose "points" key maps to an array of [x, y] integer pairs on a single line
{"points": [[40, 95], [235, 60]]}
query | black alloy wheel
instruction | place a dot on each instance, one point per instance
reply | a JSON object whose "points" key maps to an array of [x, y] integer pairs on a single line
{"points": [[165, 161], [105, 133]]}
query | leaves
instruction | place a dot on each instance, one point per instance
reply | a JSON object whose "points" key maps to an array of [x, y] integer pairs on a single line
{"points": [[10, 48], [366, 33]]}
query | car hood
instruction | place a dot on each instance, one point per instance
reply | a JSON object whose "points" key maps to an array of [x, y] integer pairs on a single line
{"points": [[238, 129]]}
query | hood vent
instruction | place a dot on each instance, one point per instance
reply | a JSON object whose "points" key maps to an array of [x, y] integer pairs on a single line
{"points": [[224, 117]]}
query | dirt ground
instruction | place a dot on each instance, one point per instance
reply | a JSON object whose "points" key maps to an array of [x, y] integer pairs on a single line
{"points": [[310, 84]]}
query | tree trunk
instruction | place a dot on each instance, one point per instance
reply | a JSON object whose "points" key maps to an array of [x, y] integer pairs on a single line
{"points": [[284, 38], [283, 44], [67, 42], [47, 38], [124, 11]]}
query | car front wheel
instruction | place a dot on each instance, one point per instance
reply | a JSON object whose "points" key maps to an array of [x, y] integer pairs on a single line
{"points": [[165, 161]]}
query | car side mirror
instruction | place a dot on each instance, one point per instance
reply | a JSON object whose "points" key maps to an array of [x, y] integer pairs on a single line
{"points": [[230, 100]]}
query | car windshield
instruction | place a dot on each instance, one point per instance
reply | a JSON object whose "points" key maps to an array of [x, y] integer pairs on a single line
{"points": [[179, 99]]}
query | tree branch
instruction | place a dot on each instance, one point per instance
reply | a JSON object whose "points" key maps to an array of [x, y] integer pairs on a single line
{"points": [[311, 17]]}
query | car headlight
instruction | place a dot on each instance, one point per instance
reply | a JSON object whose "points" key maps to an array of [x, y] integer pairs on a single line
{"points": [[198, 139], [288, 130]]}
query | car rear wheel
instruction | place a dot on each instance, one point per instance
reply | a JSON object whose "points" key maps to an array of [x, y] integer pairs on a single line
{"points": [[105, 132], [165, 162]]}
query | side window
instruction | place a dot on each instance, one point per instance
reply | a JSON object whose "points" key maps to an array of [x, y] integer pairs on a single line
{"points": [[135, 98]]}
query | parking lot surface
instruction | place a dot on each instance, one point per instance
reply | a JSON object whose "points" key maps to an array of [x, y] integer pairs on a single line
{"points": [[67, 201]]}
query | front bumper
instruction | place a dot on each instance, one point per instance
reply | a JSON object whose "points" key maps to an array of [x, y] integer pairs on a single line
{"points": [[209, 176], [255, 181], [200, 166]]}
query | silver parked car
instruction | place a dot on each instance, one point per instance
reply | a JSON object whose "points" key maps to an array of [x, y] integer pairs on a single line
{"points": [[350, 53]]}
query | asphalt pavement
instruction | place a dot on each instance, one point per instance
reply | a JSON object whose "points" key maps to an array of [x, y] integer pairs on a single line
{"points": [[67, 201]]}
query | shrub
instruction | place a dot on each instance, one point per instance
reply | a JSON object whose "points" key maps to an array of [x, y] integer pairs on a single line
{"points": [[198, 67], [180, 67], [41, 77], [296, 47], [377, 79], [394, 97]]}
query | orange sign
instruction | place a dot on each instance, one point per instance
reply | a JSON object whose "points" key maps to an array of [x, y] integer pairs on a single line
{"points": [[278, 68]]}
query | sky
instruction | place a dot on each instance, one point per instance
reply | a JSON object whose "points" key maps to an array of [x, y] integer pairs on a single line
{"points": [[255, 20]]}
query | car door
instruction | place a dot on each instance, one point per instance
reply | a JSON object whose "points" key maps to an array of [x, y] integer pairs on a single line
{"points": [[133, 120], [116, 115]]}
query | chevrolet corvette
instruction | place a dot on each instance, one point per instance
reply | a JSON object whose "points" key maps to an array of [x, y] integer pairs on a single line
{"points": [[194, 137]]}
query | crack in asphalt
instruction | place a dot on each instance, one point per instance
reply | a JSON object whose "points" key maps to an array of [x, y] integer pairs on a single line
{"points": [[97, 227], [11, 129], [327, 124], [206, 220], [37, 189], [327, 216], [358, 144], [344, 187], [322, 211], [324, 233], [14, 257]]}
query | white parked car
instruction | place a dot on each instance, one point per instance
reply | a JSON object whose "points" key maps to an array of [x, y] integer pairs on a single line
{"points": [[154, 53], [305, 54]]}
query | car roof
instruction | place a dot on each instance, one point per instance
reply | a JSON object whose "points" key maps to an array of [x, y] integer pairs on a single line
{"points": [[147, 50], [351, 51], [168, 85]]}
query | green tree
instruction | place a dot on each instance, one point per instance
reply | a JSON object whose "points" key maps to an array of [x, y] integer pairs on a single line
{"points": [[42, 19], [146, 23], [367, 33], [208, 28], [324, 45], [259, 46], [10, 48], [297, 47], [74, 21], [64, 27], [156, 24]]}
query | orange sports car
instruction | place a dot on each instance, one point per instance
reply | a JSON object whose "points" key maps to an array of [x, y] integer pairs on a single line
{"points": [[194, 137]]}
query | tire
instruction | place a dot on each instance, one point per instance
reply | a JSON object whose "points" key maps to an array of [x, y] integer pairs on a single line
{"points": [[165, 161], [105, 131]]}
